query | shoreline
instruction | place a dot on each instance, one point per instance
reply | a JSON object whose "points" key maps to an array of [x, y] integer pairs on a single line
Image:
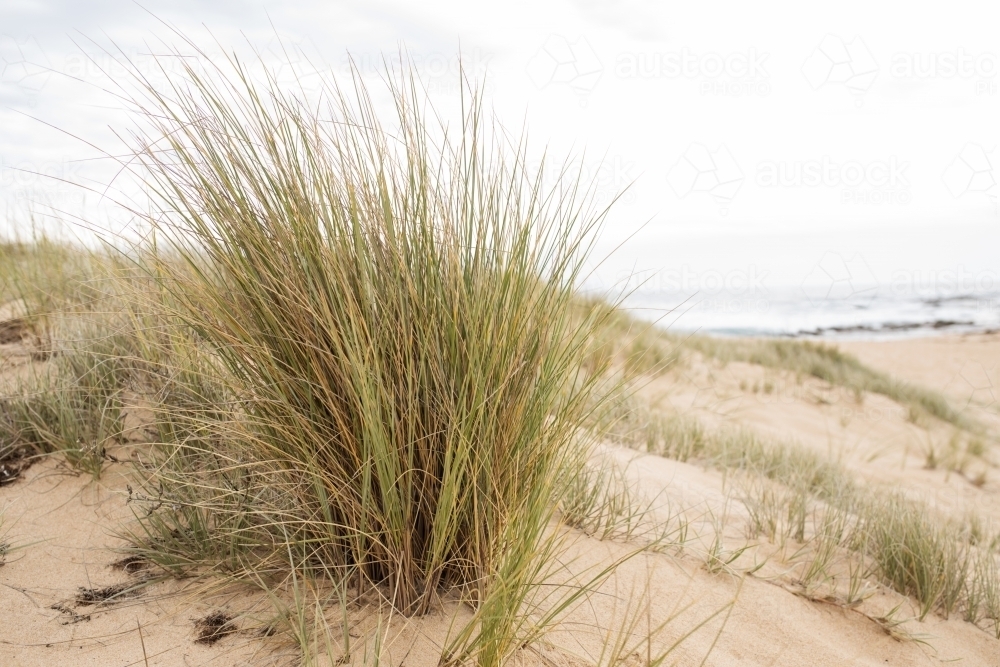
{"points": [[890, 332]]}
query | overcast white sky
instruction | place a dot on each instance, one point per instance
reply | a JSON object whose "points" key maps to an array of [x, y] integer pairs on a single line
{"points": [[761, 137]]}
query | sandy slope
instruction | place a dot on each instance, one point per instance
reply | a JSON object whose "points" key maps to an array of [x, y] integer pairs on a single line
{"points": [[966, 368], [65, 526]]}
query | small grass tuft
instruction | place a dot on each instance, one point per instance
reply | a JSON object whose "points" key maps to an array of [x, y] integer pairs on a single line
{"points": [[601, 502]]}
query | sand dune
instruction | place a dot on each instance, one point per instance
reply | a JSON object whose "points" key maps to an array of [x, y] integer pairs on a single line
{"points": [[63, 527]]}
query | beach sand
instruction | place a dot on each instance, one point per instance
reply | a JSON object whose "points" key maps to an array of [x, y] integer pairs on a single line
{"points": [[64, 528]]}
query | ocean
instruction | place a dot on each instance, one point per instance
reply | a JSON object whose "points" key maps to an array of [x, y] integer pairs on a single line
{"points": [[804, 312]]}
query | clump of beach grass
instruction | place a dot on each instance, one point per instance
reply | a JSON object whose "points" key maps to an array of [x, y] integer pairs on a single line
{"points": [[392, 310]]}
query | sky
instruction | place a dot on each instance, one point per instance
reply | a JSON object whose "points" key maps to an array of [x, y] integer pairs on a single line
{"points": [[761, 146]]}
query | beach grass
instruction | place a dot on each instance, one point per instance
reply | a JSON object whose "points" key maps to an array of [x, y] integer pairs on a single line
{"points": [[945, 564], [391, 310], [646, 350]]}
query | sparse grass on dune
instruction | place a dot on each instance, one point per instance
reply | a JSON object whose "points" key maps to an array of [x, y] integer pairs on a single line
{"points": [[231, 512], [946, 565], [72, 409], [628, 420], [48, 276], [829, 364], [73, 322], [647, 349], [601, 502], [789, 492]]}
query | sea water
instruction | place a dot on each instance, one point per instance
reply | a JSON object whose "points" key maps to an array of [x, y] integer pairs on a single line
{"points": [[869, 312]]}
